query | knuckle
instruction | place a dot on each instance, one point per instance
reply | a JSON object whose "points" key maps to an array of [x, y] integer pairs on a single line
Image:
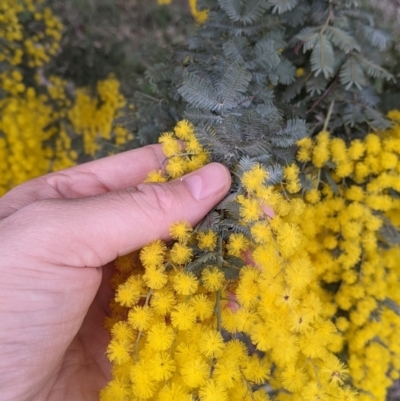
{"points": [[157, 198]]}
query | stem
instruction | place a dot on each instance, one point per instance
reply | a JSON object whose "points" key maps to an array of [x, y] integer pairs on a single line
{"points": [[319, 100], [146, 303], [218, 310], [318, 178], [315, 372], [328, 116]]}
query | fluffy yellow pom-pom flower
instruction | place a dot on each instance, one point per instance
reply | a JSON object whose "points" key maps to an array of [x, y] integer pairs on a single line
{"points": [[185, 283], [183, 316], [213, 279], [254, 178], [180, 230], [160, 336], [207, 240], [211, 344], [180, 253]]}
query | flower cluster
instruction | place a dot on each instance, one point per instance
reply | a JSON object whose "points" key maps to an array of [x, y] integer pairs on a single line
{"points": [[273, 308], [350, 223], [39, 120], [183, 152], [29, 146], [93, 117], [37, 39]]}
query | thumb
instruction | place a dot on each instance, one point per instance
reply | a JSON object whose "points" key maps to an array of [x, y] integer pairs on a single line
{"points": [[93, 231]]}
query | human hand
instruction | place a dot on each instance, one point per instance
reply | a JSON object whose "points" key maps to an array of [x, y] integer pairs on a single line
{"points": [[58, 235]]}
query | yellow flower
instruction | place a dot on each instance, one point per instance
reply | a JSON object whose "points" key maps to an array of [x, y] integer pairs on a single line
{"points": [[202, 305], [180, 253], [313, 196], [237, 243], [143, 384], [256, 369], [174, 392], [162, 302], [305, 150], [372, 144], [176, 167], [195, 372], [261, 232], [249, 210], [160, 336], [338, 150], [212, 391], [170, 145], [183, 316], [199, 16], [161, 366], [227, 373], [152, 255], [129, 292], [155, 277], [321, 154], [192, 145], [298, 206], [211, 344], [185, 283], [248, 291], [300, 273], [156, 176], [125, 263], [356, 149], [254, 178], [184, 130], [122, 332], [180, 230], [334, 370], [289, 238], [293, 186], [207, 240], [293, 379], [140, 317], [119, 351], [212, 278], [291, 172], [116, 390]]}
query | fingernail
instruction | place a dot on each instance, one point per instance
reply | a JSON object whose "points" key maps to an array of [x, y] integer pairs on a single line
{"points": [[207, 181]]}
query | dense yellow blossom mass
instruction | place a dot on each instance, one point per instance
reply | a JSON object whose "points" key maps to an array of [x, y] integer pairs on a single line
{"points": [[312, 312], [39, 120]]}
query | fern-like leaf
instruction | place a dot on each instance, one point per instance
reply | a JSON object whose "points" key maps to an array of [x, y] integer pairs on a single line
{"points": [[281, 6], [342, 39], [351, 74], [253, 11], [199, 92], [232, 9], [234, 82], [322, 57]]}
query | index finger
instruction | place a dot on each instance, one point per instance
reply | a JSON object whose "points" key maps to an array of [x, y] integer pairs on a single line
{"points": [[93, 178]]}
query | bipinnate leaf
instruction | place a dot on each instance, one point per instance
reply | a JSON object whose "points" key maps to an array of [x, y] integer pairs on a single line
{"points": [[322, 57]]}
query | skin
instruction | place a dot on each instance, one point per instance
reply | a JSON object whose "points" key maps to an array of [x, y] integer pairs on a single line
{"points": [[58, 237]]}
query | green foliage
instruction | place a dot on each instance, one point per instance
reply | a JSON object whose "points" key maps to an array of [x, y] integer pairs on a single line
{"points": [[246, 55]]}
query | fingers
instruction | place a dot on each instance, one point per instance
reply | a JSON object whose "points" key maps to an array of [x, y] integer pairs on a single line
{"points": [[89, 179], [92, 231]]}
